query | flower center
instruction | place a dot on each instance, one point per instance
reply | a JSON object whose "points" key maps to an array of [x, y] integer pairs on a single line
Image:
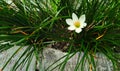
{"points": [[77, 24]]}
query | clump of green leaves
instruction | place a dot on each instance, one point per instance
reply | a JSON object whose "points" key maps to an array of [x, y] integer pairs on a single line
{"points": [[37, 23]]}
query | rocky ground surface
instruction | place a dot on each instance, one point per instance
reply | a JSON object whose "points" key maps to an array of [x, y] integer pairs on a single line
{"points": [[50, 56]]}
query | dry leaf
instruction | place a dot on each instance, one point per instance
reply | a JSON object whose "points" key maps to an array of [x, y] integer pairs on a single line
{"points": [[0, 69]]}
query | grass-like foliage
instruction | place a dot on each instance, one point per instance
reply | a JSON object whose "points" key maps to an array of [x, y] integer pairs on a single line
{"points": [[38, 23]]}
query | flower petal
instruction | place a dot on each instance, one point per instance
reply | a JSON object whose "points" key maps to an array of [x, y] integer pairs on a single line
{"points": [[74, 17], [69, 21], [82, 19], [71, 28], [78, 30], [84, 24]]}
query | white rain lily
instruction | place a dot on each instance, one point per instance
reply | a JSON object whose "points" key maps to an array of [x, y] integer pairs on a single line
{"points": [[76, 23]]}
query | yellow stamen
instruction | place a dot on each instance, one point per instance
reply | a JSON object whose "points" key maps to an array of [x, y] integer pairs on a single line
{"points": [[77, 24]]}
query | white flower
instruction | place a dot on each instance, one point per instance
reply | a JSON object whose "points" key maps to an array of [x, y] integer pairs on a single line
{"points": [[76, 23]]}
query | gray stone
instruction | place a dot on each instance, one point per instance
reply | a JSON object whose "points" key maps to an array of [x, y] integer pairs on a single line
{"points": [[51, 55]]}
